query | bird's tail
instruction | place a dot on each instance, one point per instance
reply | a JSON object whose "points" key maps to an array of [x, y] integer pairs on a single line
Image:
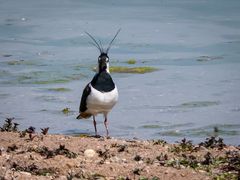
{"points": [[83, 116]]}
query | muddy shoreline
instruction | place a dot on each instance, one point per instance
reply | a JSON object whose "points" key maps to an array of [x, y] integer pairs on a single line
{"points": [[38, 155]]}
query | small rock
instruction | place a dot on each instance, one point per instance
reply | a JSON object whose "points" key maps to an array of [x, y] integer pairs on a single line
{"points": [[34, 147], [23, 173], [62, 178], [6, 156], [115, 159], [70, 164], [182, 167], [201, 171], [183, 175], [202, 148], [124, 160], [107, 162], [89, 153], [140, 162]]}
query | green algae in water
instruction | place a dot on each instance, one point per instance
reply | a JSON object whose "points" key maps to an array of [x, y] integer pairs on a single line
{"points": [[51, 81], [39, 77], [173, 126], [59, 89], [133, 70], [66, 111], [20, 62], [214, 130], [48, 98], [131, 61], [196, 104], [174, 133], [151, 126], [4, 73], [2, 96]]}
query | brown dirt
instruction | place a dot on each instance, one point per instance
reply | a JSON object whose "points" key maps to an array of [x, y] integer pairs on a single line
{"points": [[65, 157]]}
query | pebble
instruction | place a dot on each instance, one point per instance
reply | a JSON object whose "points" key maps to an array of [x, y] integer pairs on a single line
{"points": [[202, 148], [115, 159], [201, 171], [182, 174], [89, 153], [25, 173], [62, 178], [107, 162], [182, 167], [140, 162], [34, 147], [124, 160], [6, 156]]}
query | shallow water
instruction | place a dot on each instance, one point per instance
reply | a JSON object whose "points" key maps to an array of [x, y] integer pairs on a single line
{"points": [[46, 60]]}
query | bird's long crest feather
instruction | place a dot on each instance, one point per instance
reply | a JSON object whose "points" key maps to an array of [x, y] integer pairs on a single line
{"points": [[96, 44], [110, 44]]}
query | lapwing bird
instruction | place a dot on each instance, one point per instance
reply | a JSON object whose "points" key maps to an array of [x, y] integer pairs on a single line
{"points": [[101, 94]]}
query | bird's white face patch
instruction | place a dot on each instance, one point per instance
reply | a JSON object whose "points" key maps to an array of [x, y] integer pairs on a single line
{"points": [[108, 67]]}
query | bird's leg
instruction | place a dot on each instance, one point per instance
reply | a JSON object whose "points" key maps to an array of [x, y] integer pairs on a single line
{"points": [[95, 125], [106, 123]]}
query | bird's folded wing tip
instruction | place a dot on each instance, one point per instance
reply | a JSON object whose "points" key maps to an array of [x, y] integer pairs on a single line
{"points": [[83, 116]]}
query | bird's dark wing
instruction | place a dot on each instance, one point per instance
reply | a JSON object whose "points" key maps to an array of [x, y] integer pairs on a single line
{"points": [[83, 103]]}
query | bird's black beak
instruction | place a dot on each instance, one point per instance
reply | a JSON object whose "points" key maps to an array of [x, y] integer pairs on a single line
{"points": [[103, 62], [102, 65]]}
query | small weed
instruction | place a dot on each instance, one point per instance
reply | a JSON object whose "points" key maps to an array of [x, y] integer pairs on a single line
{"points": [[9, 125], [31, 132], [12, 148], [63, 151], [159, 142], [122, 148], [44, 151], [44, 130], [208, 159], [105, 153], [183, 146], [162, 158], [213, 142], [137, 158], [143, 178], [34, 169], [22, 133], [136, 171], [189, 161]]}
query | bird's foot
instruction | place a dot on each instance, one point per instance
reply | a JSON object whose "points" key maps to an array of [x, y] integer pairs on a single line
{"points": [[108, 137], [97, 136]]}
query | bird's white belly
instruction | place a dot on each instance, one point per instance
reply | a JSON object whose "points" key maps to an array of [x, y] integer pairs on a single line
{"points": [[101, 102]]}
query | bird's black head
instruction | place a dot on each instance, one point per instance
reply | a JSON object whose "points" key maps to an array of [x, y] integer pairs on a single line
{"points": [[103, 62], [103, 59]]}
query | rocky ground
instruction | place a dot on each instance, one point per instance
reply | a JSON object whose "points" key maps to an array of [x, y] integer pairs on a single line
{"points": [[31, 155]]}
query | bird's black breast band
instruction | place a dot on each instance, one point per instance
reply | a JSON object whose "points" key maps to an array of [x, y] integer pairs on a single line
{"points": [[103, 82]]}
